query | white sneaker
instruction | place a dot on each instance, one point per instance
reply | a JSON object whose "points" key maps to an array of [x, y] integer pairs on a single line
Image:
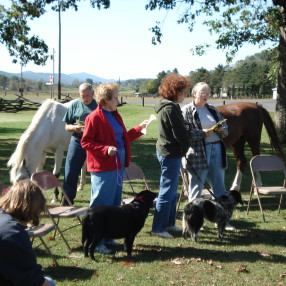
{"points": [[103, 249], [164, 234], [112, 242], [174, 228], [230, 227]]}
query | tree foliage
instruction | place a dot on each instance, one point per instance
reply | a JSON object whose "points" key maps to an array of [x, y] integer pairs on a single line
{"points": [[236, 22]]}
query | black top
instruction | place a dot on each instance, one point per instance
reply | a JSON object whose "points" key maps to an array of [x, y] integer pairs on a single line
{"points": [[18, 265]]}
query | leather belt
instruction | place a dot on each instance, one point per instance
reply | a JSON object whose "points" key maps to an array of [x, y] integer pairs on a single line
{"points": [[214, 142]]}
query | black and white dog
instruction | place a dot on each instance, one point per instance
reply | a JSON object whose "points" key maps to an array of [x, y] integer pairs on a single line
{"points": [[218, 211], [109, 222]]}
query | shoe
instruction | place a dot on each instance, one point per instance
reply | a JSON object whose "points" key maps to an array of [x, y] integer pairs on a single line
{"points": [[164, 234], [103, 249], [174, 228], [112, 242], [230, 227]]}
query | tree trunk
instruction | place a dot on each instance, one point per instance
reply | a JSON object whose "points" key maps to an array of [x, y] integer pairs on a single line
{"points": [[280, 114]]}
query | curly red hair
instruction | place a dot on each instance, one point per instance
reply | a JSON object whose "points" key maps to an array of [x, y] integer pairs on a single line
{"points": [[172, 85]]}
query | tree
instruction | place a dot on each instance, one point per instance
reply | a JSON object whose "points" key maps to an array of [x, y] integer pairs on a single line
{"points": [[237, 22], [90, 80], [3, 81]]}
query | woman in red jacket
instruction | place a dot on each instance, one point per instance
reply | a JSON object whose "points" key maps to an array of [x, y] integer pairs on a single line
{"points": [[107, 144]]}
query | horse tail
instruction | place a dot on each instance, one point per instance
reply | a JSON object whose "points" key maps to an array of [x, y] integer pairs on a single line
{"points": [[272, 133]]}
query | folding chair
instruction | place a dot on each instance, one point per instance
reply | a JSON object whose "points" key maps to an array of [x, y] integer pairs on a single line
{"points": [[47, 181], [39, 231], [266, 163], [134, 173]]}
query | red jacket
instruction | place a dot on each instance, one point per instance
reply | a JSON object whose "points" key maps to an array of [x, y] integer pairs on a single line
{"points": [[98, 135]]}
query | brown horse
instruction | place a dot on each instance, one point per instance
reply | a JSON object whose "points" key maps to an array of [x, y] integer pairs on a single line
{"points": [[245, 121]]}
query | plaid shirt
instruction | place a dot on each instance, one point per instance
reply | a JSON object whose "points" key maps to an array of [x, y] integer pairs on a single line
{"points": [[197, 152]]}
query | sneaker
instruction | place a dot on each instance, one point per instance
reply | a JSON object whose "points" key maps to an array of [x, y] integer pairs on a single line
{"points": [[164, 234], [103, 249], [174, 228], [112, 242], [230, 227]]}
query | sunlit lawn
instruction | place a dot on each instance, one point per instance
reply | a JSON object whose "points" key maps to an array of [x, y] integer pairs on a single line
{"points": [[254, 254]]}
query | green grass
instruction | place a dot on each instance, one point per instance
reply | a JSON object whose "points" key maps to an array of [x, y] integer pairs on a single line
{"points": [[254, 254]]}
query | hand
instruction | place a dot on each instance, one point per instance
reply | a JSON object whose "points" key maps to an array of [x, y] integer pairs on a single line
{"points": [[218, 129], [207, 132], [144, 124], [111, 151], [77, 129]]}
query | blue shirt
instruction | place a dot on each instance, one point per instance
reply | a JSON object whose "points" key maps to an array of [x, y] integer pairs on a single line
{"points": [[117, 128]]}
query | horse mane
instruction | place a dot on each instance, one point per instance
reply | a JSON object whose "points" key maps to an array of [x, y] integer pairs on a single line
{"points": [[17, 157]]}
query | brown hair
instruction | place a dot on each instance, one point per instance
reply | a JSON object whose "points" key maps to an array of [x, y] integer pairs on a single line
{"points": [[24, 202], [172, 85], [105, 91]]}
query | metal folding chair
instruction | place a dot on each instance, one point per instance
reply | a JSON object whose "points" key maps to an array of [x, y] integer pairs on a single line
{"points": [[40, 231], [266, 163], [47, 181]]}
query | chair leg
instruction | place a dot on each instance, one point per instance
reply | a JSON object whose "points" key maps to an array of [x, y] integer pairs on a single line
{"points": [[250, 198], [55, 232], [280, 203], [260, 205], [61, 234], [54, 259]]}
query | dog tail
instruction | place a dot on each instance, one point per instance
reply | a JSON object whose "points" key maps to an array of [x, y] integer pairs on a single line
{"points": [[194, 216]]}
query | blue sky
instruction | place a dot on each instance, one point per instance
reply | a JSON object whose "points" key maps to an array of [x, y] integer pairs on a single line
{"points": [[116, 42]]}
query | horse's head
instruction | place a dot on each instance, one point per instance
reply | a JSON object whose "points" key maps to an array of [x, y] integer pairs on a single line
{"points": [[19, 172]]}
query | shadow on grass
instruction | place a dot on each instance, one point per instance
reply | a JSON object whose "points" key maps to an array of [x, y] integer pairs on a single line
{"points": [[69, 273], [151, 253]]}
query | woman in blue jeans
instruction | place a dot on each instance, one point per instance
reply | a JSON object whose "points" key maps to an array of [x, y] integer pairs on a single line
{"points": [[171, 146]]}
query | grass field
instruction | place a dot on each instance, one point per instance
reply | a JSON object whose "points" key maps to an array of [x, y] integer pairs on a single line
{"points": [[254, 254]]}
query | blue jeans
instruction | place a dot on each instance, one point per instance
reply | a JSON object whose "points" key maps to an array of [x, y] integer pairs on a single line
{"points": [[214, 174], [106, 187], [165, 211], [75, 158]]}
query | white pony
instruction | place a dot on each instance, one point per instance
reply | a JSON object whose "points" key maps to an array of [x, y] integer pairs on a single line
{"points": [[45, 134]]}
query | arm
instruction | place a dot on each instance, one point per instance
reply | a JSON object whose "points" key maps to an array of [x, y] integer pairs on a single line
{"points": [[95, 135], [73, 128], [196, 134]]}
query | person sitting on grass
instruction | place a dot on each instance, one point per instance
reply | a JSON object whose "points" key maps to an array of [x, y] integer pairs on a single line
{"points": [[21, 205]]}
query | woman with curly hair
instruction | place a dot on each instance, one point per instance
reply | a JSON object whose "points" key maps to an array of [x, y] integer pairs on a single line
{"points": [[171, 146], [22, 204]]}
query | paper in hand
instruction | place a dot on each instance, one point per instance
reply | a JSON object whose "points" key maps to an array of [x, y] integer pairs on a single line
{"points": [[152, 117], [216, 125]]}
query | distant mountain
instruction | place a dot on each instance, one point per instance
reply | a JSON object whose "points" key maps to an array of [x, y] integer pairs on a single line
{"points": [[65, 78], [83, 76]]}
